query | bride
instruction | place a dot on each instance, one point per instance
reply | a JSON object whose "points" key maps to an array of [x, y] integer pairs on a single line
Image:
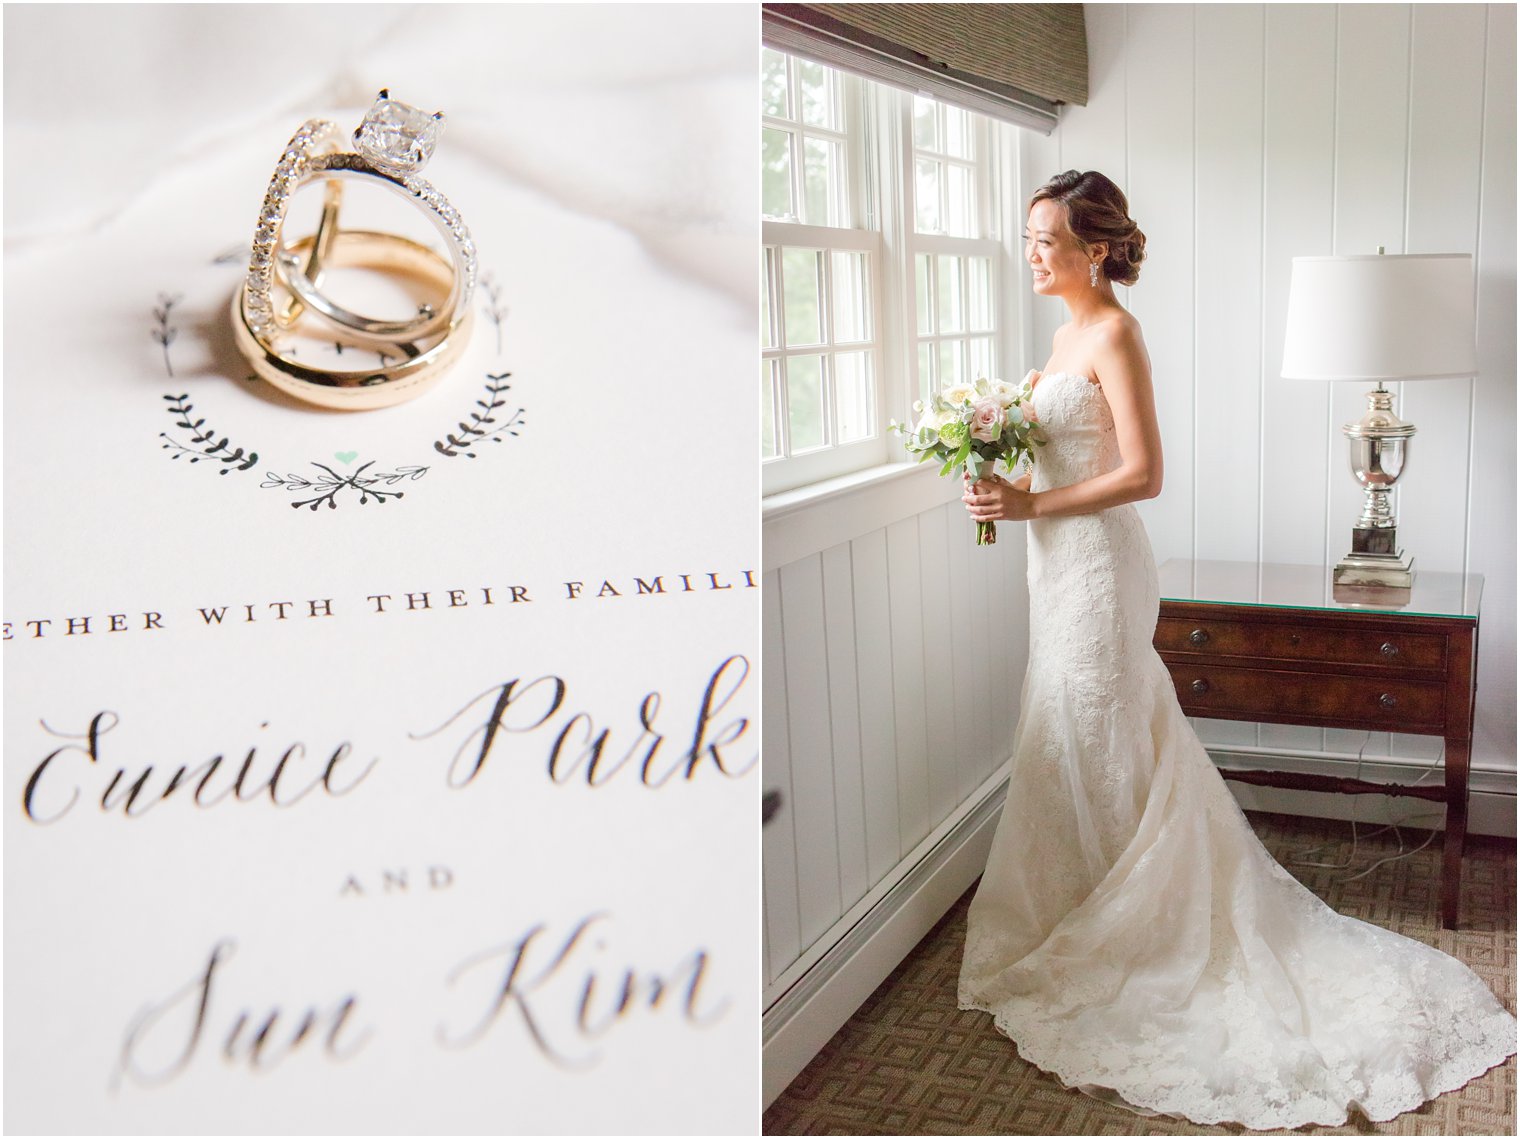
{"points": [[1130, 933]]}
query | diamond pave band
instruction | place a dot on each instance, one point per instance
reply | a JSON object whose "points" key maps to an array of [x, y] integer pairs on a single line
{"points": [[316, 136], [394, 141], [285, 277], [443, 215]]}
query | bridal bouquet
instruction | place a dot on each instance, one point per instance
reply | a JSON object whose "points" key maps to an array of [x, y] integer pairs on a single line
{"points": [[972, 427]]}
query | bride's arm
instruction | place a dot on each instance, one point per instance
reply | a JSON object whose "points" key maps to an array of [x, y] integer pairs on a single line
{"points": [[1121, 364]]}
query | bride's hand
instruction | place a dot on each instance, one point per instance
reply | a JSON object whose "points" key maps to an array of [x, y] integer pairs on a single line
{"points": [[995, 499]]}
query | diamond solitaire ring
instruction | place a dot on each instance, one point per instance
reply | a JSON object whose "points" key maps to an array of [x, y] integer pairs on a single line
{"points": [[285, 277]]}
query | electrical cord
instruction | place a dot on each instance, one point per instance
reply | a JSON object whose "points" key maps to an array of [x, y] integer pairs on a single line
{"points": [[1301, 858]]}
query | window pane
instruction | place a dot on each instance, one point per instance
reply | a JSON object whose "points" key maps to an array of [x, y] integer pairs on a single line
{"points": [[819, 106], [980, 352], [800, 273], [821, 181], [957, 132], [952, 360], [925, 134], [776, 173], [853, 397], [925, 303], [804, 402], [925, 370], [959, 215], [951, 311], [926, 195], [979, 299], [773, 99], [767, 271], [852, 321], [767, 411]]}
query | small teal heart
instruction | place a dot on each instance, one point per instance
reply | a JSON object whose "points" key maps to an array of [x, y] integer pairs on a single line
{"points": [[345, 456]]}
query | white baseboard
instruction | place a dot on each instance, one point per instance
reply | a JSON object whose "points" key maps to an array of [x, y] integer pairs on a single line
{"points": [[816, 1006]]}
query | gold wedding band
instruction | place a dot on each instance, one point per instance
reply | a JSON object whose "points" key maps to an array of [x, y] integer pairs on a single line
{"points": [[361, 390]]}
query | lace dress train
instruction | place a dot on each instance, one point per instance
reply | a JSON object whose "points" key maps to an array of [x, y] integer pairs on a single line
{"points": [[1130, 933]]}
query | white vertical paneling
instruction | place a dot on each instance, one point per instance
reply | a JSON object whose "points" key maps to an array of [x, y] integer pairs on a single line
{"points": [[1039, 161], [1445, 156], [1227, 122], [1298, 148], [1160, 191], [812, 767], [878, 740], [981, 642], [783, 941], [962, 609], [939, 655], [1491, 536], [844, 723], [1228, 172], [1092, 137], [999, 623], [1015, 655], [1297, 221], [906, 594]]}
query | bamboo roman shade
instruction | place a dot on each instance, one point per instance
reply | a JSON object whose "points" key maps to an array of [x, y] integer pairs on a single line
{"points": [[1012, 61]]}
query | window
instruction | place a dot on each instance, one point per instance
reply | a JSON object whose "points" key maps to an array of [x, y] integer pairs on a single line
{"points": [[879, 237]]}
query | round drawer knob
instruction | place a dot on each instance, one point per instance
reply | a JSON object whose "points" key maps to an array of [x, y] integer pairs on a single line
{"points": [[1389, 649], [1388, 700], [1199, 636], [1200, 686]]}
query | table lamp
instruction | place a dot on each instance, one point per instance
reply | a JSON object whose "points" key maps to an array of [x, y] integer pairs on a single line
{"points": [[1379, 317]]}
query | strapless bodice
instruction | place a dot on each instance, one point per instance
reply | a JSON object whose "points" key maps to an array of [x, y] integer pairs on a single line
{"points": [[1079, 431]]}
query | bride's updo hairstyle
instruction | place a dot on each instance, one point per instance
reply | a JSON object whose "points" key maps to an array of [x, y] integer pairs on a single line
{"points": [[1097, 210]]}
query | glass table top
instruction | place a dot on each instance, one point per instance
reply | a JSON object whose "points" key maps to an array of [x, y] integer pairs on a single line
{"points": [[1267, 584]]}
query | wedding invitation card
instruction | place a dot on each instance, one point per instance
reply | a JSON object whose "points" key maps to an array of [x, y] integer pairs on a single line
{"points": [[391, 771]]}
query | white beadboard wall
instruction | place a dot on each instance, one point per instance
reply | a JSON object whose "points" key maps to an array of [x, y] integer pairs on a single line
{"points": [[1244, 135], [893, 657]]}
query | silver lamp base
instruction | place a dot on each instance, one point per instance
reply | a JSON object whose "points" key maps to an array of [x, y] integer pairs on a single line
{"points": [[1387, 571], [1379, 449]]}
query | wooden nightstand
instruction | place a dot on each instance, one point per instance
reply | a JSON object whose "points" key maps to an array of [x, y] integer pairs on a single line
{"points": [[1274, 644]]}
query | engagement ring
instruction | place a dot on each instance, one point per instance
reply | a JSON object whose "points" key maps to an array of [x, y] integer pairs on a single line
{"points": [[285, 278]]}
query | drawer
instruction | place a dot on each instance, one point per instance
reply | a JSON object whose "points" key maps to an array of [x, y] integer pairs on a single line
{"points": [[1271, 694], [1259, 640]]}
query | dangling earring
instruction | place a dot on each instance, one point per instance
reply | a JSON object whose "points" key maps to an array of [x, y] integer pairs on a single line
{"points": [[1092, 274]]}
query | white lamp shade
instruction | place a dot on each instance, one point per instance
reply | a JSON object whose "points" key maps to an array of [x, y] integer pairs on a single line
{"points": [[1381, 317]]}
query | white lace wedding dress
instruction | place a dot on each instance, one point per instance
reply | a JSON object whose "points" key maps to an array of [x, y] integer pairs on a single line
{"points": [[1131, 934]]}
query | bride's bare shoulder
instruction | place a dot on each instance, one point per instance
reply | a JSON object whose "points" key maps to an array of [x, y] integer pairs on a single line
{"points": [[1119, 329]]}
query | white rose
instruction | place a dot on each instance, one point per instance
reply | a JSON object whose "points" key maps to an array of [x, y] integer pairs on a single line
{"points": [[1004, 392]]}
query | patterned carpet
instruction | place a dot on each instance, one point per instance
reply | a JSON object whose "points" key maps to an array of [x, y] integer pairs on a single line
{"points": [[910, 1063]]}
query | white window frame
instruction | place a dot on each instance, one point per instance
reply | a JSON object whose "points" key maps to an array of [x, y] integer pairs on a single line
{"points": [[880, 157], [832, 459]]}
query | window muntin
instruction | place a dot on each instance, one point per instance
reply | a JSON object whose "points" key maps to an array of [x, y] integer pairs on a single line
{"points": [[945, 167], [818, 386], [956, 320], [857, 323], [804, 137]]}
